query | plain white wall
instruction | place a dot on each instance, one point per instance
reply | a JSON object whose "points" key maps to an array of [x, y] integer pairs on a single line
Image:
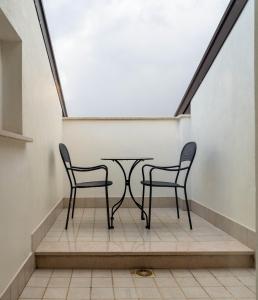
{"points": [[30, 174], [256, 123], [1, 85], [222, 123], [90, 140]]}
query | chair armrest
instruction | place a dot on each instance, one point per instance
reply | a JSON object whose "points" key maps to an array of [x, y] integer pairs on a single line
{"points": [[174, 168], [153, 167], [86, 169], [161, 167]]}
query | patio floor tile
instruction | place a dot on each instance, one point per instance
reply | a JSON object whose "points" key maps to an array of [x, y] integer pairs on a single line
{"points": [[163, 284]]}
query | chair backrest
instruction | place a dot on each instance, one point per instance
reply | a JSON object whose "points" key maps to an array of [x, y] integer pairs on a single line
{"points": [[188, 152], [67, 163], [64, 153], [187, 155]]}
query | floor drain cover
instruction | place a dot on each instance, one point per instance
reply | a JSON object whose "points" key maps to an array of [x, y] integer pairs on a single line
{"points": [[144, 273]]}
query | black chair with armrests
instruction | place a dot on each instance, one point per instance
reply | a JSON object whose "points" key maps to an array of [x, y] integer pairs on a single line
{"points": [[74, 185], [185, 163]]}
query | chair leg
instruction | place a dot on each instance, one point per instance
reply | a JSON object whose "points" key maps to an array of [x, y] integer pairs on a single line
{"points": [[150, 200], [107, 205], [188, 210], [74, 199], [177, 207], [143, 192], [69, 206]]}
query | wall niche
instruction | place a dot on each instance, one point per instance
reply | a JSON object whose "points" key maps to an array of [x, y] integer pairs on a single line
{"points": [[10, 77]]}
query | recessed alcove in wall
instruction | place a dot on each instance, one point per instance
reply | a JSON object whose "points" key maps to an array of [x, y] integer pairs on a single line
{"points": [[10, 77]]}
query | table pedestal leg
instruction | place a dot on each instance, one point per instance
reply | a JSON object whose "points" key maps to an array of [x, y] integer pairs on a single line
{"points": [[127, 184]]}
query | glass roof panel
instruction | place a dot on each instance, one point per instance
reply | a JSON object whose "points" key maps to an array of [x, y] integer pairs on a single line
{"points": [[121, 58]]}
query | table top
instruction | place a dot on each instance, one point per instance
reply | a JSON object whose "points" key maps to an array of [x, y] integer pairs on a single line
{"points": [[127, 158]]}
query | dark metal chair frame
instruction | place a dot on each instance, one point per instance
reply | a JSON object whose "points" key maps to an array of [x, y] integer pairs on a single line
{"points": [[70, 169], [187, 154]]}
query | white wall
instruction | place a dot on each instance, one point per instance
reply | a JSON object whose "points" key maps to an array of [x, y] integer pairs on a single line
{"points": [[256, 124], [90, 140], [1, 85], [222, 124], [30, 174]]}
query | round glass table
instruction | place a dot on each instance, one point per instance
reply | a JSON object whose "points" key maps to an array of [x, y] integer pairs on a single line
{"points": [[135, 161]]}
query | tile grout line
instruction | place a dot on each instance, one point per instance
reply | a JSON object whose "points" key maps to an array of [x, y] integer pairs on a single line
{"points": [[47, 284], [69, 285]]}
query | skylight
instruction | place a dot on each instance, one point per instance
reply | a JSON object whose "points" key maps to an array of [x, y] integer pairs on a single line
{"points": [[122, 58]]}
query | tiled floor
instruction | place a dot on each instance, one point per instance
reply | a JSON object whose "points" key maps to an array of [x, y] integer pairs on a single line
{"points": [[88, 232], [125, 284]]}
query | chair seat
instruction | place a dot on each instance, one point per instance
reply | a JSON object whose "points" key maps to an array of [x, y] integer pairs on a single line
{"points": [[161, 183], [90, 184]]}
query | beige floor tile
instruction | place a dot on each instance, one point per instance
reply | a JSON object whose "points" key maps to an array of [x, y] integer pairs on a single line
{"points": [[171, 293], [42, 273], [101, 282], [166, 282], [209, 281], [242, 271], [144, 282], [201, 273], [221, 272], [122, 273], [55, 293], [168, 233], [206, 299], [149, 299], [244, 299], [102, 293], [252, 288], [181, 273], [217, 292], [81, 273], [125, 293], [59, 282], [80, 282], [187, 282], [123, 282], [194, 292], [241, 292], [78, 293], [33, 299], [62, 273], [148, 293], [38, 281], [32, 292], [247, 280], [101, 273], [162, 273], [229, 281]]}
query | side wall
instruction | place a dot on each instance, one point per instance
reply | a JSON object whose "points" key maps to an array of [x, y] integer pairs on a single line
{"points": [[222, 124], [30, 174], [90, 140], [256, 123]]}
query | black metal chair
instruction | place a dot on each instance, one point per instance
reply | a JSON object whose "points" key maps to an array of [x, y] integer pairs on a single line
{"points": [[187, 155], [70, 169]]}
